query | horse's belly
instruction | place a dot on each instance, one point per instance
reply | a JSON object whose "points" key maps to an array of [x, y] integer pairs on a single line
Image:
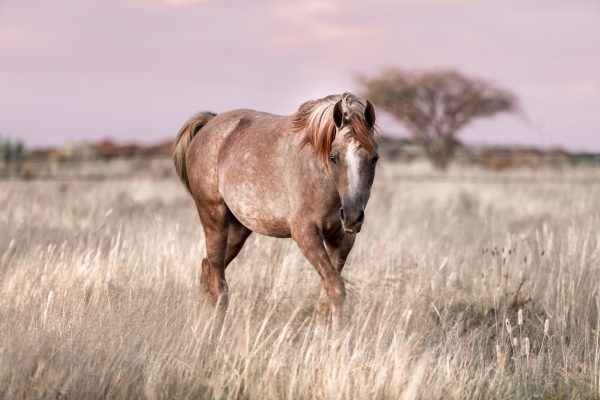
{"points": [[257, 210]]}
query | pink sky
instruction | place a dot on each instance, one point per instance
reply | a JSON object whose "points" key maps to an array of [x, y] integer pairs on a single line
{"points": [[136, 69]]}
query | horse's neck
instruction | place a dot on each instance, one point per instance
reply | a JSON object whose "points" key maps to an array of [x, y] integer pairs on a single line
{"points": [[314, 174]]}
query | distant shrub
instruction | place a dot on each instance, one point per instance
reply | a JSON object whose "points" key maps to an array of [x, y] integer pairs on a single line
{"points": [[80, 151], [11, 150]]}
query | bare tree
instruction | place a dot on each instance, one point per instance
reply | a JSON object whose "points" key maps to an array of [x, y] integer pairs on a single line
{"points": [[436, 105]]}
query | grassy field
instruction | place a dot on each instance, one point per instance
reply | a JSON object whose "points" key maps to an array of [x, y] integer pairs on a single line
{"points": [[456, 289]]}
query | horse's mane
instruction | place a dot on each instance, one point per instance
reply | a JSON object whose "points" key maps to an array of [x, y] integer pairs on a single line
{"points": [[315, 119]]}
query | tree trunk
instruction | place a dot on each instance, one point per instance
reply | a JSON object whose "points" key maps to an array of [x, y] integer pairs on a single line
{"points": [[440, 150]]}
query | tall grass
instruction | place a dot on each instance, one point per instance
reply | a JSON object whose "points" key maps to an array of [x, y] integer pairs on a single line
{"points": [[455, 290]]}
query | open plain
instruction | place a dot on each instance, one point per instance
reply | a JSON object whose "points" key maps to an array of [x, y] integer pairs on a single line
{"points": [[471, 284]]}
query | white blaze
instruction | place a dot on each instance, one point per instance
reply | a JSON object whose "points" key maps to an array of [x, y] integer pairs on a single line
{"points": [[353, 164]]}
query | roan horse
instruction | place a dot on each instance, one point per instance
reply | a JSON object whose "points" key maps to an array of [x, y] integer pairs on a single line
{"points": [[307, 176]]}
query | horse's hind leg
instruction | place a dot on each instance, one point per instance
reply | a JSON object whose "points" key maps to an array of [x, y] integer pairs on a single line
{"points": [[224, 236], [236, 237], [215, 221]]}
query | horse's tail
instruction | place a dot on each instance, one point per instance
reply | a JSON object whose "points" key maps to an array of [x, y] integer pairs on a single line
{"points": [[183, 140]]}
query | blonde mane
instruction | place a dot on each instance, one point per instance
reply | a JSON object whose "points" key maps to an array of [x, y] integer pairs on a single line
{"points": [[315, 119]]}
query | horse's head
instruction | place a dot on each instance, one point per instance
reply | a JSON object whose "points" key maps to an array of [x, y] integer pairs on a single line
{"points": [[353, 158]]}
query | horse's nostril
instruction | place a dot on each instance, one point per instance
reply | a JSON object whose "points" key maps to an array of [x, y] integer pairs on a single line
{"points": [[361, 217], [342, 214]]}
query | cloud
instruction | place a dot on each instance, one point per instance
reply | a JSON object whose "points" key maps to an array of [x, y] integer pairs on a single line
{"points": [[579, 88], [183, 3], [11, 34], [314, 21], [322, 32], [301, 10]]}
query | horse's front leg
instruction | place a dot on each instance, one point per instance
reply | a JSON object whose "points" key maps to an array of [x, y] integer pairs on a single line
{"points": [[310, 240], [338, 249]]}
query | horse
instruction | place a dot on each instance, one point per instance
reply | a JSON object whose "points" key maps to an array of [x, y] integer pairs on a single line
{"points": [[305, 176]]}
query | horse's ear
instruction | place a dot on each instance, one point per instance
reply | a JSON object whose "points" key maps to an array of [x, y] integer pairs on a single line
{"points": [[370, 114], [338, 114]]}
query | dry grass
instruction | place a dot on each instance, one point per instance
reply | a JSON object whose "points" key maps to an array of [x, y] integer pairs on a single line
{"points": [[99, 297]]}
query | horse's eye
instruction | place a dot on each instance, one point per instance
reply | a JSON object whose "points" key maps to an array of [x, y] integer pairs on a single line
{"points": [[374, 160], [333, 158]]}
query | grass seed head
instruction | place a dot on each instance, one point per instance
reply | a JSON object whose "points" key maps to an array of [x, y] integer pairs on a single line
{"points": [[508, 327], [525, 347]]}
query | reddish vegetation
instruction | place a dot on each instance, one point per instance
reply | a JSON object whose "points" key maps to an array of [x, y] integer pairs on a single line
{"points": [[407, 150], [107, 149]]}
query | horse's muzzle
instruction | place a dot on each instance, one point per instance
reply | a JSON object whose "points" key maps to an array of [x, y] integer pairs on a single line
{"points": [[352, 220]]}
